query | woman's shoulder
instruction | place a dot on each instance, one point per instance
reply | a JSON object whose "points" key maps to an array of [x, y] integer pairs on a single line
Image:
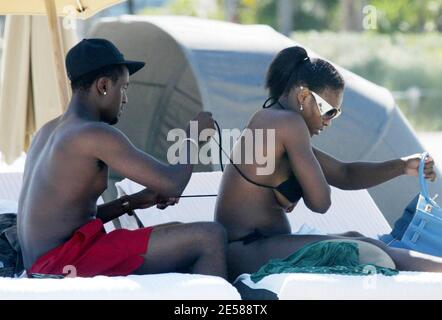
{"points": [[285, 120]]}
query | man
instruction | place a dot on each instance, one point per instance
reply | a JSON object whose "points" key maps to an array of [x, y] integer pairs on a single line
{"points": [[61, 228]]}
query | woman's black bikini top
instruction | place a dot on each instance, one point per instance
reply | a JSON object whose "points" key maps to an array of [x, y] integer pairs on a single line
{"points": [[290, 188]]}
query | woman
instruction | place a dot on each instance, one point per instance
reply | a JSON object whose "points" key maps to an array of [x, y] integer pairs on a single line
{"points": [[305, 95]]}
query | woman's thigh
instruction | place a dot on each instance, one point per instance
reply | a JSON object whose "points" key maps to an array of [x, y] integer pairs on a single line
{"points": [[249, 258]]}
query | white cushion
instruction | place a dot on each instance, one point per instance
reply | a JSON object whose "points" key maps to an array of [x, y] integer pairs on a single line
{"points": [[174, 286], [405, 285]]}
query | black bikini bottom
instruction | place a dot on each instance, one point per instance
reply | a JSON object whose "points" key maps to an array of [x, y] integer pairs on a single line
{"points": [[251, 237]]}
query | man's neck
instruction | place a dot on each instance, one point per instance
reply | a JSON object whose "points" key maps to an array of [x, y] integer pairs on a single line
{"points": [[82, 107]]}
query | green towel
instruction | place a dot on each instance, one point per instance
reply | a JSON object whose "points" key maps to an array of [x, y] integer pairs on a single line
{"points": [[321, 257]]}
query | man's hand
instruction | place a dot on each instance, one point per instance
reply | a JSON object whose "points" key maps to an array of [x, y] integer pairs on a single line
{"points": [[143, 199], [412, 166], [147, 198], [163, 203], [205, 121]]}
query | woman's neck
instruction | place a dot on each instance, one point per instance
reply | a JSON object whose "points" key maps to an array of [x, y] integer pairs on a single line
{"points": [[284, 103]]}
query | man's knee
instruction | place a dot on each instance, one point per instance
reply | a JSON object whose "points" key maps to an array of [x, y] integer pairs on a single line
{"points": [[168, 224]]}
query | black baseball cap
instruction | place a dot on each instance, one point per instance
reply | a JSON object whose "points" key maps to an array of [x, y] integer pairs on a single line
{"points": [[92, 54]]}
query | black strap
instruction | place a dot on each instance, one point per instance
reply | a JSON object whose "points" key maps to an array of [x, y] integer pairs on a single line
{"points": [[221, 150], [265, 105], [234, 165]]}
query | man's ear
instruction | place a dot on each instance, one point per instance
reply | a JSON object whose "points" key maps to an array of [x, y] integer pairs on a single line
{"points": [[102, 85]]}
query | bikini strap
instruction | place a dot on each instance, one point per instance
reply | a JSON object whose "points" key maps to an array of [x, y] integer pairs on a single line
{"points": [[234, 165], [265, 105]]}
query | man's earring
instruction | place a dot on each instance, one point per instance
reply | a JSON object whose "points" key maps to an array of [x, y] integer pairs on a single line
{"points": [[104, 92], [301, 108]]}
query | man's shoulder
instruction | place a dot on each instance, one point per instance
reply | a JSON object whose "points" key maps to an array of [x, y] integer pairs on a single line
{"points": [[98, 135], [91, 130]]}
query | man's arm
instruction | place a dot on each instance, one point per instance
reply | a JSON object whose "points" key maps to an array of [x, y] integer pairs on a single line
{"points": [[112, 210], [111, 146], [126, 204], [363, 175]]}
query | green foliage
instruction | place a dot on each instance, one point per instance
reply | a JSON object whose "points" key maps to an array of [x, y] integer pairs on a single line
{"points": [[392, 15], [317, 15], [266, 13], [308, 14], [187, 8], [408, 15]]}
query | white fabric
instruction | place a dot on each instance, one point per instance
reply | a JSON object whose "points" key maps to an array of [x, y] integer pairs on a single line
{"points": [[405, 285], [173, 286], [8, 206], [10, 185], [350, 210], [306, 229], [188, 209]]}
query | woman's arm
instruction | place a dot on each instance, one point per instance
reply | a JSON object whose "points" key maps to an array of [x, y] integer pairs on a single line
{"points": [[363, 175], [295, 137]]}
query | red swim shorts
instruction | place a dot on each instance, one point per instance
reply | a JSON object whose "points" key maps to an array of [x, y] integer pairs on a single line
{"points": [[92, 252]]}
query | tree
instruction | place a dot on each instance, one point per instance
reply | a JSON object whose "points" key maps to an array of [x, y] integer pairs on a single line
{"points": [[130, 7], [285, 16]]}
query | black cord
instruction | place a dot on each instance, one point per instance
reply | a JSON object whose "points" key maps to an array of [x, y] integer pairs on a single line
{"points": [[220, 161], [199, 195], [221, 151], [236, 167], [220, 148]]}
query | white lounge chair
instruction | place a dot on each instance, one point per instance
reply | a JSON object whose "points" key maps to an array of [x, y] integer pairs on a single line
{"points": [[350, 211], [173, 286]]}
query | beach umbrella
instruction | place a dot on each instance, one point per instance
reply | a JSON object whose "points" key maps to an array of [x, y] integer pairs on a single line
{"points": [[28, 84], [33, 70]]}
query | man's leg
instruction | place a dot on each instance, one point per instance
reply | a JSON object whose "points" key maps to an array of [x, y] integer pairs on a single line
{"points": [[199, 247]]}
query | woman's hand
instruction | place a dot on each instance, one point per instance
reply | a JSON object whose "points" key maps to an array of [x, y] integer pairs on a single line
{"points": [[412, 166]]}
